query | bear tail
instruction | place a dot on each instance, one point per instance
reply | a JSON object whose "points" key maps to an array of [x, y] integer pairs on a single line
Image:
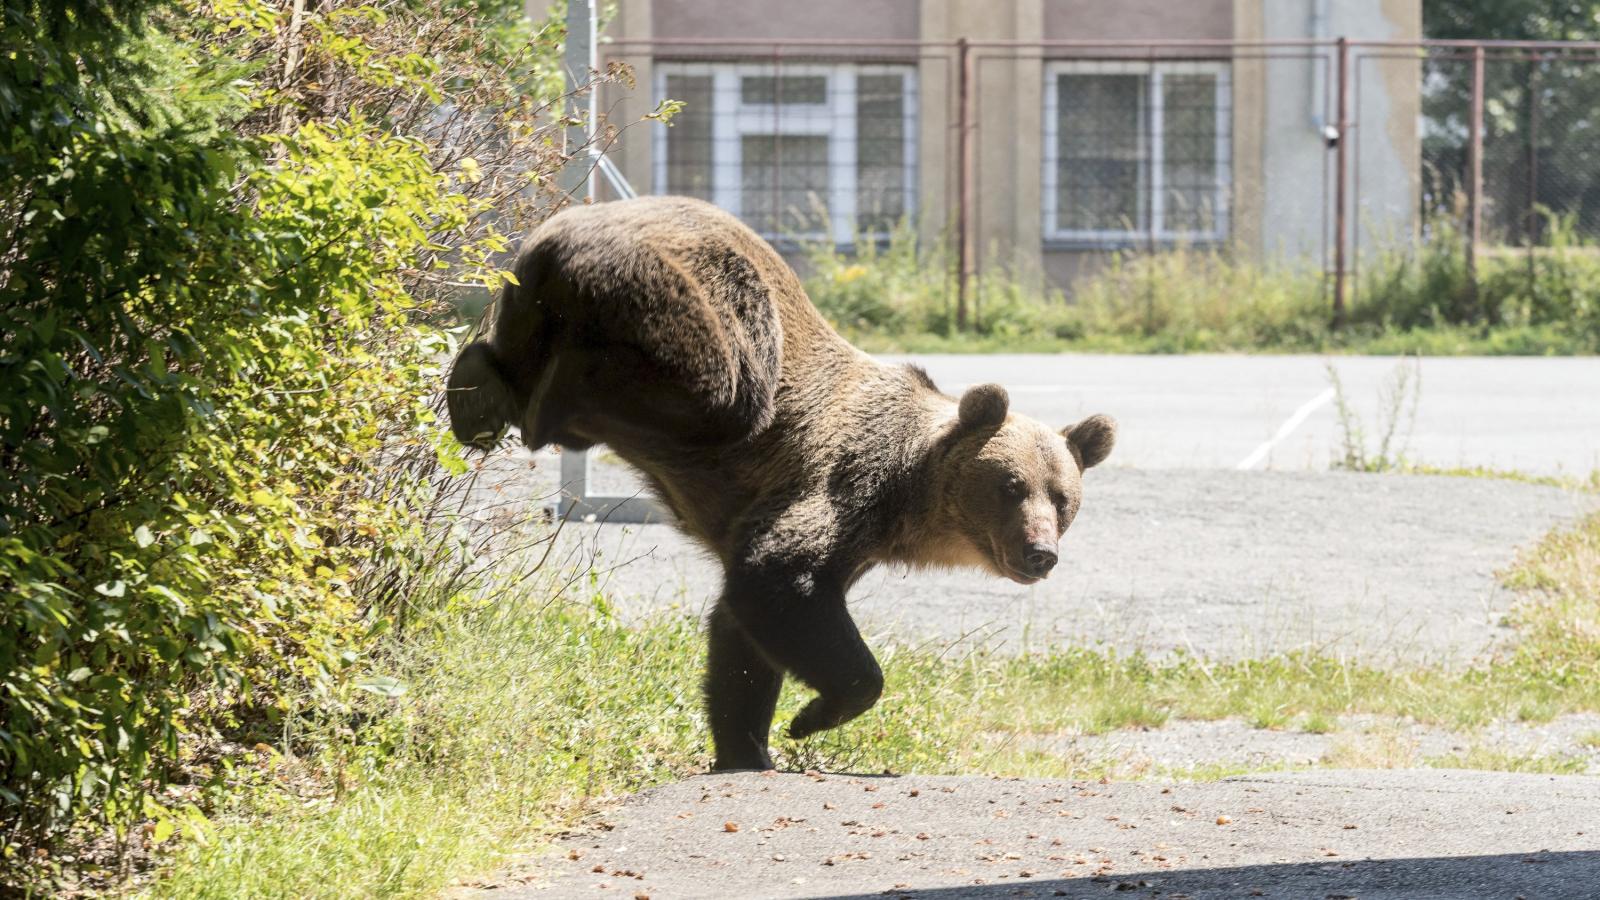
{"points": [[479, 401]]}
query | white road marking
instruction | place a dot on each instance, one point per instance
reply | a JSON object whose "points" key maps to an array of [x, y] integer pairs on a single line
{"points": [[1286, 429]]}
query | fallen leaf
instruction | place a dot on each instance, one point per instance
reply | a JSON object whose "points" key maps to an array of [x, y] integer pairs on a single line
{"points": [[730, 827]]}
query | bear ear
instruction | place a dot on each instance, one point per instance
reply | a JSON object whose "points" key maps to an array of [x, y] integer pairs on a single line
{"points": [[984, 406], [1092, 439]]}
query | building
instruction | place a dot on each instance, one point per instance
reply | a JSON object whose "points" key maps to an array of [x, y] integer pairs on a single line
{"points": [[1095, 126]]}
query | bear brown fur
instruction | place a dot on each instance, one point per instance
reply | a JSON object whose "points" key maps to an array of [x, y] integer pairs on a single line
{"points": [[666, 329]]}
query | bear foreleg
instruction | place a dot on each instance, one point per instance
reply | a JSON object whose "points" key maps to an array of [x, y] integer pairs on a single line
{"points": [[810, 635], [741, 695]]}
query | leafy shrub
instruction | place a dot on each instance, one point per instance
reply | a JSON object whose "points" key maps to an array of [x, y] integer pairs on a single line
{"points": [[216, 278], [894, 285]]}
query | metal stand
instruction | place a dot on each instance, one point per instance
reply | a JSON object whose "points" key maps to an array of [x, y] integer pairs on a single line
{"points": [[577, 179], [577, 504]]}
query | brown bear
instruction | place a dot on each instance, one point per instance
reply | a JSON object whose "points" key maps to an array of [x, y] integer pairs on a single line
{"points": [[666, 329]]}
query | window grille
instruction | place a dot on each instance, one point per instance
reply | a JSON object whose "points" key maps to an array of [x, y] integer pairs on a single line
{"points": [[805, 151]]}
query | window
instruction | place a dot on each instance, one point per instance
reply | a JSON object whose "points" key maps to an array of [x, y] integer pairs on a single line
{"points": [[805, 151], [1136, 151]]}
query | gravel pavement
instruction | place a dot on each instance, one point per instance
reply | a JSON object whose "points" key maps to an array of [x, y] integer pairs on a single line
{"points": [[1226, 563], [1328, 834]]}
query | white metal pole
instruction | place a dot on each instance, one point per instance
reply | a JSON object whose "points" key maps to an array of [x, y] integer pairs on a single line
{"points": [[579, 62]]}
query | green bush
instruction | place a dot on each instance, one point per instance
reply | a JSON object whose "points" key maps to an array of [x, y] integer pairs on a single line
{"points": [[216, 365], [896, 285], [899, 296]]}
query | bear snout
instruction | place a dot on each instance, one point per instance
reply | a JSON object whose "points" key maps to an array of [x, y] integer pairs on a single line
{"points": [[1040, 559]]}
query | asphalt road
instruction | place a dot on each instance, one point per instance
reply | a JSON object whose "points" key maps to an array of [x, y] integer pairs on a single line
{"points": [[1332, 834], [1535, 415], [1531, 414]]}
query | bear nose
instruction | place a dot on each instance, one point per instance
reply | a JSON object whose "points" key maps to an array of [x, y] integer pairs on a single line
{"points": [[1040, 559]]}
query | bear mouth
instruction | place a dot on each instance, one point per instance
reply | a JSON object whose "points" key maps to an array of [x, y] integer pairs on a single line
{"points": [[1003, 567], [1016, 574], [1020, 578]]}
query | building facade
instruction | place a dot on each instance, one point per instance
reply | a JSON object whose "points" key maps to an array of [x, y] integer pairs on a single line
{"points": [[1091, 126]]}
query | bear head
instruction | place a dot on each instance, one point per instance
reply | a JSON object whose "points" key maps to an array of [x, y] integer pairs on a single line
{"points": [[1010, 485]]}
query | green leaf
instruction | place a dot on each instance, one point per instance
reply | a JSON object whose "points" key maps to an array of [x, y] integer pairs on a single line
{"points": [[382, 685]]}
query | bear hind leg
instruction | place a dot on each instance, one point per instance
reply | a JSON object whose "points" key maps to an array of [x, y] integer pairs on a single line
{"points": [[741, 695]]}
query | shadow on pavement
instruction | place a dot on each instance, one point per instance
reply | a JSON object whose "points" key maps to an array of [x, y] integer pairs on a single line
{"points": [[1518, 875]]}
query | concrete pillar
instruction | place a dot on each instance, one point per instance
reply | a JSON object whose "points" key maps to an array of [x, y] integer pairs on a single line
{"points": [[633, 151], [1249, 123], [1006, 104]]}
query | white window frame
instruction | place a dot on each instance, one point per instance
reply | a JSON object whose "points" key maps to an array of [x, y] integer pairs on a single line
{"points": [[1155, 72], [834, 118]]}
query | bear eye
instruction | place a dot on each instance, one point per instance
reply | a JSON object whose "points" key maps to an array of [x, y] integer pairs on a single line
{"points": [[1014, 487]]}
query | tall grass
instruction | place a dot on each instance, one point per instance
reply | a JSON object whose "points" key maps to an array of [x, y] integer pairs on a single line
{"points": [[505, 719], [899, 294]]}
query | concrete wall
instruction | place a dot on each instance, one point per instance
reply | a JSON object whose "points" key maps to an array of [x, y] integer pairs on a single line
{"points": [[1297, 186], [623, 108], [1006, 104], [1146, 20], [791, 19]]}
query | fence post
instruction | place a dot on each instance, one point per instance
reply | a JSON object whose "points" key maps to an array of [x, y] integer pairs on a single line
{"points": [[1475, 171], [1341, 178], [1530, 229], [964, 192]]}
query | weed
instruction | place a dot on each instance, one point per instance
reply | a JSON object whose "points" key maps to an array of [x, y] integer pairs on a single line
{"points": [[1398, 398], [1269, 718], [1318, 723]]}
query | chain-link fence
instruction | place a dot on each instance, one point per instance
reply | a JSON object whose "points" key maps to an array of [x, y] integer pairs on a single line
{"points": [[1511, 143], [1052, 160]]}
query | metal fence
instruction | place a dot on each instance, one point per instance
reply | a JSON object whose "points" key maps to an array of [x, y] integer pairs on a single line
{"points": [[1057, 157], [1510, 143]]}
